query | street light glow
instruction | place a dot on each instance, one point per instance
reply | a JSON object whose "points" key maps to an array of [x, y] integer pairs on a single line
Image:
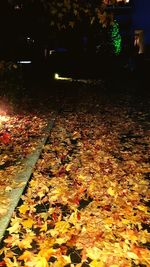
{"points": [[24, 61], [57, 77]]}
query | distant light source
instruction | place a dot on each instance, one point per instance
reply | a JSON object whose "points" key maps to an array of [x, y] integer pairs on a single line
{"points": [[24, 61], [51, 52], [3, 118], [57, 77], [17, 7]]}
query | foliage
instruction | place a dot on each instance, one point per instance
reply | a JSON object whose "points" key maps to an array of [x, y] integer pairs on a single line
{"points": [[69, 21], [87, 201], [116, 37], [67, 13], [19, 136]]}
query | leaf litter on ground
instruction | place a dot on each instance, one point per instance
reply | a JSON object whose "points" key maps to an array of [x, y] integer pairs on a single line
{"points": [[86, 204]]}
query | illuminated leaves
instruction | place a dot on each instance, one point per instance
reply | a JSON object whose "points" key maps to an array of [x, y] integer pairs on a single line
{"points": [[14, 228], [32, 260], [111, 191], [27, 223], [19, 136], [94, 253], [25, 243], [24, 208], [86, 202]]}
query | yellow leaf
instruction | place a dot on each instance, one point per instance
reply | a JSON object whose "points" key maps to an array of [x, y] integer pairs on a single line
{"points": [[15, 228], [111, 191], [42, 262], [12, 263], [62, 226], [25, 243], [68, 168], [125, 221], [27, 223], [8, 253], [67, 259], [96, 263], [94, 253], [108, 221], [12, 239], [23, 208], [33, 260], [26, 256], [62, 240], [73, 217], [132, 255], [47, 253], [141, 207], [62, 261], [44, 227]]}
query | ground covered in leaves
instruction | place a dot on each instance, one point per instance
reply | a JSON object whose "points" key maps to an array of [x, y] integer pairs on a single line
{"points": [[20, 133], [87, 203]]}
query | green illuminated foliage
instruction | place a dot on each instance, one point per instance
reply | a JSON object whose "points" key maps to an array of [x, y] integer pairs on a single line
{"points": [[116, 38]]}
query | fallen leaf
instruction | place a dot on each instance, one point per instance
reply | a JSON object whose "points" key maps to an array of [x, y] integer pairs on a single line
{"points": [[27, 223]]}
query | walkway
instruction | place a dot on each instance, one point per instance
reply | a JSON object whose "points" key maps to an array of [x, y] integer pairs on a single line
{"points": [[87, 202]]}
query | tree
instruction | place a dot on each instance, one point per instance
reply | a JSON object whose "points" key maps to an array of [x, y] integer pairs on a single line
{"points": [[72, 20]]}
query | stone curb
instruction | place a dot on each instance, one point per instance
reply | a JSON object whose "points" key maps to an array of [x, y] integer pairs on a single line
{"points": [[23, 177]]}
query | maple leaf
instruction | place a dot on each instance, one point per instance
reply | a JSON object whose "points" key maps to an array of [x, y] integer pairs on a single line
{"points": [[94, 253], [25, 243], [12, 240], [132, 255], [60, 227], [74, 217], [62, 240], [23, 208], [111, 191], [15, 228], [43, 227], [12, 263], [26, 256], [7, 252], [33, 261], [62, 261], [5, 138], [47, 253], [96, 263], [143, 208], [27, 223]]}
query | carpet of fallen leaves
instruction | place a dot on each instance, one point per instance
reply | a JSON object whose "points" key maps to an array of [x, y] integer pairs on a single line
{"points": [[19, 137], [87, 203]]}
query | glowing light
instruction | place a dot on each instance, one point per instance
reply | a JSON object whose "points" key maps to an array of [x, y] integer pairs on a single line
{"points": [[24, 62], [57, 77], [3, 118], [51, 52]]}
